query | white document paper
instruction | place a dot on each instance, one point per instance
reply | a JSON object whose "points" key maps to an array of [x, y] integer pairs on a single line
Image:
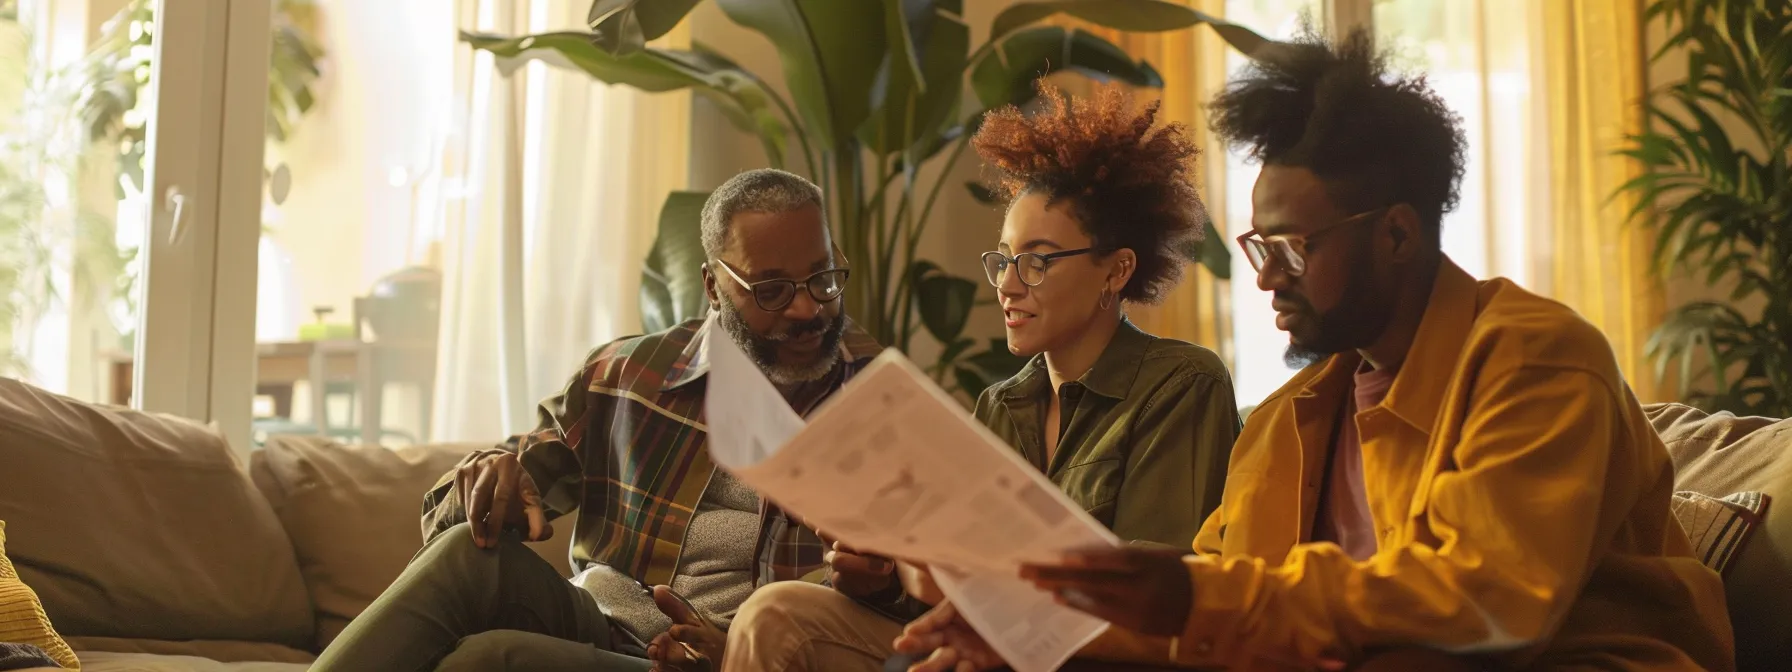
{"points": [[892, 465]]}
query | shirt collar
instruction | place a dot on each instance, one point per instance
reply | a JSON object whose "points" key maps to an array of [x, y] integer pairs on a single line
{"points": [[1112, 375], [1425, 376], [693, 363]]}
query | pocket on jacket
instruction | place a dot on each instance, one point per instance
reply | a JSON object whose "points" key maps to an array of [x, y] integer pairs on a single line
{"points": [[1094, 485]]}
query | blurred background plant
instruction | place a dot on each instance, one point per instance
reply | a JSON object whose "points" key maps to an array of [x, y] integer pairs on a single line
{"points": [[1717, 191]]}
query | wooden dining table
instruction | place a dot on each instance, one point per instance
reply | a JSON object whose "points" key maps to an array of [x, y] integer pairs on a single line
{"points": [[279, 366]]}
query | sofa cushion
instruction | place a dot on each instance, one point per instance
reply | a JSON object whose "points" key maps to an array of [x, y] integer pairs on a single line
{"points": [[353, 515], [146, 662], [1721, 454], [22, 619], [139, 525], [224, 652]]}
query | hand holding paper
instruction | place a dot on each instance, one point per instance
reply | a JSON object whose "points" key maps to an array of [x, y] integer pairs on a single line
{"points": [[892, 466]]}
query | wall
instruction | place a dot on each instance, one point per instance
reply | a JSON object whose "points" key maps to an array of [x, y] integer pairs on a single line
{"points": [[961, 228]]}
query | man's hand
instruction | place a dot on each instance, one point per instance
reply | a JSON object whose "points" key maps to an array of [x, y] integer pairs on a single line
{"points": [[692, 644], [496, 492], [1145, 590], [854, 574], [948, 642]]}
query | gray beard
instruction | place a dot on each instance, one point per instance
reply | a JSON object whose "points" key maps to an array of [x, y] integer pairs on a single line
{"points": [[764, 350]]}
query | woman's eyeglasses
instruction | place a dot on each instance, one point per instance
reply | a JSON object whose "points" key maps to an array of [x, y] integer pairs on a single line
{"points": [[776, 294], [1030, 266], [1290, 249]]}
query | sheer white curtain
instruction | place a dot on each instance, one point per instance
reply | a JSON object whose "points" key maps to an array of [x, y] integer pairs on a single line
{"points": [[563, 178]]}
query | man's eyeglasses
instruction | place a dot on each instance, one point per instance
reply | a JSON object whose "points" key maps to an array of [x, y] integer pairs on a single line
{"points": [[1290, 249], [1029, 265], [776, 294]]}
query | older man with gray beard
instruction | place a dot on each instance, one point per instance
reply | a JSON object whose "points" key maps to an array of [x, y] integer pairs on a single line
{"points": [[667, 546]]}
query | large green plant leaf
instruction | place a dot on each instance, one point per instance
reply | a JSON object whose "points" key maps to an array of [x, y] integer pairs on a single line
{"points": [[1212, 250], [944, 302], [980, 370], [1006, 75], [743, 99], [911, 112], [623, 27], [831, 51], [672, 279], [1142, 16]]}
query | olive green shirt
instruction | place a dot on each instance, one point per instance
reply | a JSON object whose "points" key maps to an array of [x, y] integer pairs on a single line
{"points": [[1144, 435]]}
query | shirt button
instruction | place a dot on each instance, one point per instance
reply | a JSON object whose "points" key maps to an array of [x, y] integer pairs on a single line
{"points": [[1204, 647]]}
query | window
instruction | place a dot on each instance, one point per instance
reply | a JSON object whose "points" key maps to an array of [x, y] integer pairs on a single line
{"points": [[72, 195], [121, 164], [442, 243], [1477, 60], [1258, 369]]}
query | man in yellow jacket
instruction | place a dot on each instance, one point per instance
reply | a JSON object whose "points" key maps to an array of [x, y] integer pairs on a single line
{"points": [[1459, 478]]}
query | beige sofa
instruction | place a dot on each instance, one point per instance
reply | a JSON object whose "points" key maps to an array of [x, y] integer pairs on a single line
{"points": [[153, 549]]}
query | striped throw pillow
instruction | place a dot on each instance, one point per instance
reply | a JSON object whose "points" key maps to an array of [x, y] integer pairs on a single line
{"points": [[22, 619], [1719, 527]]}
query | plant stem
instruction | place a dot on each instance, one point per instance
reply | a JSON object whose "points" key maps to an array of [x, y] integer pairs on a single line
{"points": [[881, 281], [848, 190], [796, 125]]}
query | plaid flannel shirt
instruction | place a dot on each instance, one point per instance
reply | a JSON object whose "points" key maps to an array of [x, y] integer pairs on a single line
{"points": [[626, 446]]}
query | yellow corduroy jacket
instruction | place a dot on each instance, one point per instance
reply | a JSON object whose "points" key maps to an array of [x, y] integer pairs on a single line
{"points": [[1522, 502]]}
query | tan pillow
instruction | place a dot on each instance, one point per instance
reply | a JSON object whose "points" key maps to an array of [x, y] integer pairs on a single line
{"points": [[22, 619], [138, 525], [1718, 527], [1720, 454], [352, 513]]}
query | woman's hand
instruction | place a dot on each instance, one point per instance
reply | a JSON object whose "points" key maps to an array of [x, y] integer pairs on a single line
{"points": [[948, 642]]}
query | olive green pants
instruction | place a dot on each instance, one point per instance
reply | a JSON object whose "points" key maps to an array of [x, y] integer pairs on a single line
{"points": [[461, 607]]}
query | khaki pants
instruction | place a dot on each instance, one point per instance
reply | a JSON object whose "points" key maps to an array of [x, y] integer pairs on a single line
{"points": [[795, 625]]}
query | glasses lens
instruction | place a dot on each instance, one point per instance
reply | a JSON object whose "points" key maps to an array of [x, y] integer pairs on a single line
{"points": [[1256, 253], [1032, 269], [774, 295], [1291, 259], [827, 285], [993, 266]]}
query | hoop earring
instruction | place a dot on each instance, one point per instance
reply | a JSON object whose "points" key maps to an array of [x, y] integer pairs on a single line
{"points": [[1107, 300]]}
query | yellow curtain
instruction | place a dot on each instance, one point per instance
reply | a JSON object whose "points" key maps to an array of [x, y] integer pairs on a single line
{"points": [[1593, 70], [1192, 63]]}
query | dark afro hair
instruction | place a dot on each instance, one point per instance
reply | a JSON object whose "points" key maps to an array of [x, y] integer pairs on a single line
{"points": [[1129, 186], [1373, 137]]}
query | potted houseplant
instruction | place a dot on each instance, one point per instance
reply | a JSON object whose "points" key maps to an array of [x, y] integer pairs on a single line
{"points": [[876, 92]]}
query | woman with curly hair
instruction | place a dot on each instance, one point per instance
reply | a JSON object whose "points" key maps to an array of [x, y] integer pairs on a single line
{"points": [[1101, 212]]}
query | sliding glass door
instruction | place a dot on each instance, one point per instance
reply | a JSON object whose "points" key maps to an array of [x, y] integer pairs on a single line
{"points": [[126, 193]]}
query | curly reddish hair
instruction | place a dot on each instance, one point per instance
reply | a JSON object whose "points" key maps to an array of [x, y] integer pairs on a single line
{"points": [[1128, 185]]}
